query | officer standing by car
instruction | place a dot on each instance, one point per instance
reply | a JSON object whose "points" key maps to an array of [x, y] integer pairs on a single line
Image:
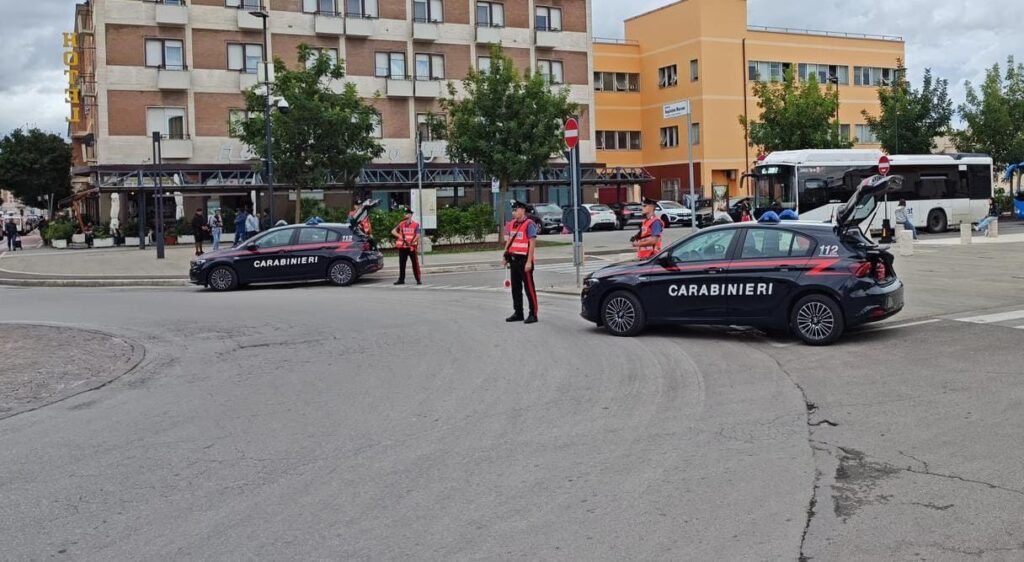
{"points": [[648, 241], [407, 240], [520, 249]]}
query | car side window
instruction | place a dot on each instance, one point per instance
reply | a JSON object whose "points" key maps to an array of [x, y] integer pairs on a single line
{"points": [[312, 236], [704, 247], [775, 243], [276, 239]]}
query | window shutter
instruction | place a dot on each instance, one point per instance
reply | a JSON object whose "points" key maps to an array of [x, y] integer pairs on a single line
{"points": [[437, 67], [309, 6], [498, 15], [236, 58], [436, 10], [154, 52], [555, 22]]}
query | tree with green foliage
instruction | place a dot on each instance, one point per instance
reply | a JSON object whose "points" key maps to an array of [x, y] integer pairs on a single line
{"points": [[911, 119], [323, 132], [509, 124], [35, 165], [994, 118], [795, 116]]}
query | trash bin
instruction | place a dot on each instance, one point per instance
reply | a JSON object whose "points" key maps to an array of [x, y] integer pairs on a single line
{"points": [[1018, 206]]}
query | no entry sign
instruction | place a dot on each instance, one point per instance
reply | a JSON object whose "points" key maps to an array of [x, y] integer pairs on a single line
{"points": [[572, 133], [883, 165]]}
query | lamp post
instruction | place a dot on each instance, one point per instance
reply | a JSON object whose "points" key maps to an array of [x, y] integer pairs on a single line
{"points": [[159, 203], [265, 16]]}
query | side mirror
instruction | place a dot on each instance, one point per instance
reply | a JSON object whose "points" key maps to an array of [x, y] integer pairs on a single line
{"points": [[665, 260], [252, 247]]}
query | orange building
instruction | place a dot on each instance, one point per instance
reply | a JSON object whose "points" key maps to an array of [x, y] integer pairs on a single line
{"points": [[704, 51]]}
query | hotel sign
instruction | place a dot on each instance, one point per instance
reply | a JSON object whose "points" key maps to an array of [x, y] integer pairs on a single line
{"points": [[72, 93]]}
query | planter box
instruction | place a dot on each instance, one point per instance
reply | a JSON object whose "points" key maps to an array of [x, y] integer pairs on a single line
{"points": [[103, 243], [186, 239], [60, 244], [170, 240], [78, 238], [131, 240]]}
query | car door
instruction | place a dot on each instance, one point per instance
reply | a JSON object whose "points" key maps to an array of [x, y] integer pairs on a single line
{"points": [[765, 272], [684, 282], [262, 258], [312, 251]]}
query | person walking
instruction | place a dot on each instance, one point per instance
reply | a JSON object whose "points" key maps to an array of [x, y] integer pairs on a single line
{"points": [[11, 234], [252, 225], [216, 224], [240, 219], [648, 241], [407, 240], [520, 250], [87, 232], [265, 220], [993, 215], [745, 215], [199, 230], [902, 216]]}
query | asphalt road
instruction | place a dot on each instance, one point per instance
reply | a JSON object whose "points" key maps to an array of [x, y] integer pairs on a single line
{"points": [[383, 423]]}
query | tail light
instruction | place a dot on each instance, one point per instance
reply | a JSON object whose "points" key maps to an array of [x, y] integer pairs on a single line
{"points": [[880, 271], [861, 270], [366, 246]]}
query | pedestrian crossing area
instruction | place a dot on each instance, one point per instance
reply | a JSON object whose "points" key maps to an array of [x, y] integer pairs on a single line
{"points": [[569, 268], [387, 285], [1007, 319]]}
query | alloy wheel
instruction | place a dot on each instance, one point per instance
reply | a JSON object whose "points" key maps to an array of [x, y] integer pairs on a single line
{"points": [[815, 320], [619, 315]]}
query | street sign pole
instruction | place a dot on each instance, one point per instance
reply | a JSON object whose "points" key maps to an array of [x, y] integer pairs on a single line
{"points": [[689, 149], [419, 190], [577, 242]]}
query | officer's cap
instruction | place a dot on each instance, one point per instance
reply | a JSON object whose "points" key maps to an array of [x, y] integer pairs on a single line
{"points": [[407, 211], [769, 216], [520, 205], [789, 215], [649, 201]]}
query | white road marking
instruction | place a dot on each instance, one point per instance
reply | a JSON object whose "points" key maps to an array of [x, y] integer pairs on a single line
{"points": [[993, 318], [1019, 328], [907, 325]]}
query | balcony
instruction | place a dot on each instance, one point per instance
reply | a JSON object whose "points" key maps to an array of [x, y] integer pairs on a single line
{"points": [[548, 39], [329, 24], [489, 34], [358, 26], [399, 88], [176, 149], [429, 88], [246, 80], [426, 31], [171, 14], [180, 79], [249, 21]]}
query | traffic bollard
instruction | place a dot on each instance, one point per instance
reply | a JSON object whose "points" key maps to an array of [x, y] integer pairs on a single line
{"points": [[993, 229], [965, 233]]}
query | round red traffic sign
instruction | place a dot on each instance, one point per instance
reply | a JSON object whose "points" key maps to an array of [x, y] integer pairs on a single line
{"points": [[883, 165], [572, 133]]}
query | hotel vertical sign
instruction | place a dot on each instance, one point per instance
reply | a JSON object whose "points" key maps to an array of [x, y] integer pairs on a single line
{"points": [[72, 93]]}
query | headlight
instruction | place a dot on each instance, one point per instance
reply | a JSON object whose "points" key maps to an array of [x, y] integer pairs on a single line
{"points": [[199, 262], [590, 281]]}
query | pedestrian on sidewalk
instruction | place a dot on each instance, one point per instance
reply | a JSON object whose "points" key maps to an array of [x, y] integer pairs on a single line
{"points": [[407, 240], [252, 225], [648, 241], [88, 234], [240, 218], [520, 249], [265, 220], [903, 217], [11, 234], [993, 215], [199, 230], [216, 228]]}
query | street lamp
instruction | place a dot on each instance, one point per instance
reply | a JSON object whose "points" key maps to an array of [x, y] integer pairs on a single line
{"points": [[265, 16]]}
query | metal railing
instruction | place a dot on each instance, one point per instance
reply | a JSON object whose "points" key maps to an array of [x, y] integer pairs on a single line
{"points": [[822, 33], [613, 41]]}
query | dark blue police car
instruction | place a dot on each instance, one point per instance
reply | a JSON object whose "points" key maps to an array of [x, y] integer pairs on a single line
{"points": [[814, 279], [337, 253]]}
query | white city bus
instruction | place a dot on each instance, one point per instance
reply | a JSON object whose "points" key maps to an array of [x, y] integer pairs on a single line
{"points": [[941, 190]]}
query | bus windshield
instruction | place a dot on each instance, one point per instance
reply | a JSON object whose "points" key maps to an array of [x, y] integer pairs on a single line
{"points": [[774, 187]]}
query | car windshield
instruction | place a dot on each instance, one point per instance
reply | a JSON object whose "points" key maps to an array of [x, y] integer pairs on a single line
{"points": [[600, 208], [548, 209], [670, 205], [635, 208]]}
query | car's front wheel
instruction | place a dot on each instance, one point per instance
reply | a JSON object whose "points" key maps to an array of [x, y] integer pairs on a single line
{"points": [[817, 320], [623, 314], [222, 278], [342, 273]]}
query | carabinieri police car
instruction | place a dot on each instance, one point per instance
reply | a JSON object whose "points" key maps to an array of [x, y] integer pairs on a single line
{"points": [[313, 252], [814, 279]]}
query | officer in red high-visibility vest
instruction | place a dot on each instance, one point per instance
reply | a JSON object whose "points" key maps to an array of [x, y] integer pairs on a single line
{"points": [[519, 256], [364, 224], [648, 241], [407, 240]]}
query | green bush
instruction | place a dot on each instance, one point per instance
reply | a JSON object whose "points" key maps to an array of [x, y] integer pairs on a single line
{"points": [[228, 218], [60, 229], [1002, 200], [383, 222], [130, 227], [312, 208], [181, 227], [101, 230]]}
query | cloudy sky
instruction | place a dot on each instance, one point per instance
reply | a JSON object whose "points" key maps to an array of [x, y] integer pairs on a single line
{"points": [[956, 38]]}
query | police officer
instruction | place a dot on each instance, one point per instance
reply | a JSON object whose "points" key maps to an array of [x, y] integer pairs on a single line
{"points": [[648, 241], [407, 240], [519, 257]]}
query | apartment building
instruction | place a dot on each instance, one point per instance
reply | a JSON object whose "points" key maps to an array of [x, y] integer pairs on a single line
{"points": [[179, 67], [704, 51]]}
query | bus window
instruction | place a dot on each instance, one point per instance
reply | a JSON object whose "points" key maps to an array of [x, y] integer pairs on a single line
{"points": [[933, 186], [774, 187], [980, 177]]}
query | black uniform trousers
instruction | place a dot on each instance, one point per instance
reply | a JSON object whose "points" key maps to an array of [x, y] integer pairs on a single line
{"points": [[404, 254], [522, 279]]}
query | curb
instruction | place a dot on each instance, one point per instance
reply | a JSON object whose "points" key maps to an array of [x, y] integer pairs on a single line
{"points": [[95, 282]]}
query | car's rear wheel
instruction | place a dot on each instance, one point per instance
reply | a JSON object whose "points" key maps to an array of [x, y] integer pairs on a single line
{"points": [[222, 278], [623, 315], [342, 273], [937, 221], [665, 222], [619, 225], [817, 320]]}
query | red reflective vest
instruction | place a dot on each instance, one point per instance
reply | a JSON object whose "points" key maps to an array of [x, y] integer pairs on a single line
{"points": [[365, 224], [520, 237], [646, 229], [407, 234]]}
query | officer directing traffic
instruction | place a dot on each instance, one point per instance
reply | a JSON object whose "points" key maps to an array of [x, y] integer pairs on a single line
{"points": [[407, 240], [519, 257], [648, 241]]}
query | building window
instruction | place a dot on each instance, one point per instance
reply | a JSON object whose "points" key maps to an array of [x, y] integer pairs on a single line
{"points": [[168, 121], [323, 7], [551, 70], [865, 135], [361, 8], [694, 70], [873, 76], [695, 133], [378, 126], [429, 67], [767, 71], [423, 122], [331, 54], [242, 4], [825, 73], [670, 189], [483, 64], [428, 11], [549, 19], [668, 76], [616, 82], [618, 140], [669, 136], [165, 53], [245, 57], [237, 118], [490, 14], [390, 65], [844, 132]]}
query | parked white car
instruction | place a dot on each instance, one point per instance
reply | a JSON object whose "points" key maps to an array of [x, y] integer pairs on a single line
{"points": [[601, 216], [672, 213]]}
